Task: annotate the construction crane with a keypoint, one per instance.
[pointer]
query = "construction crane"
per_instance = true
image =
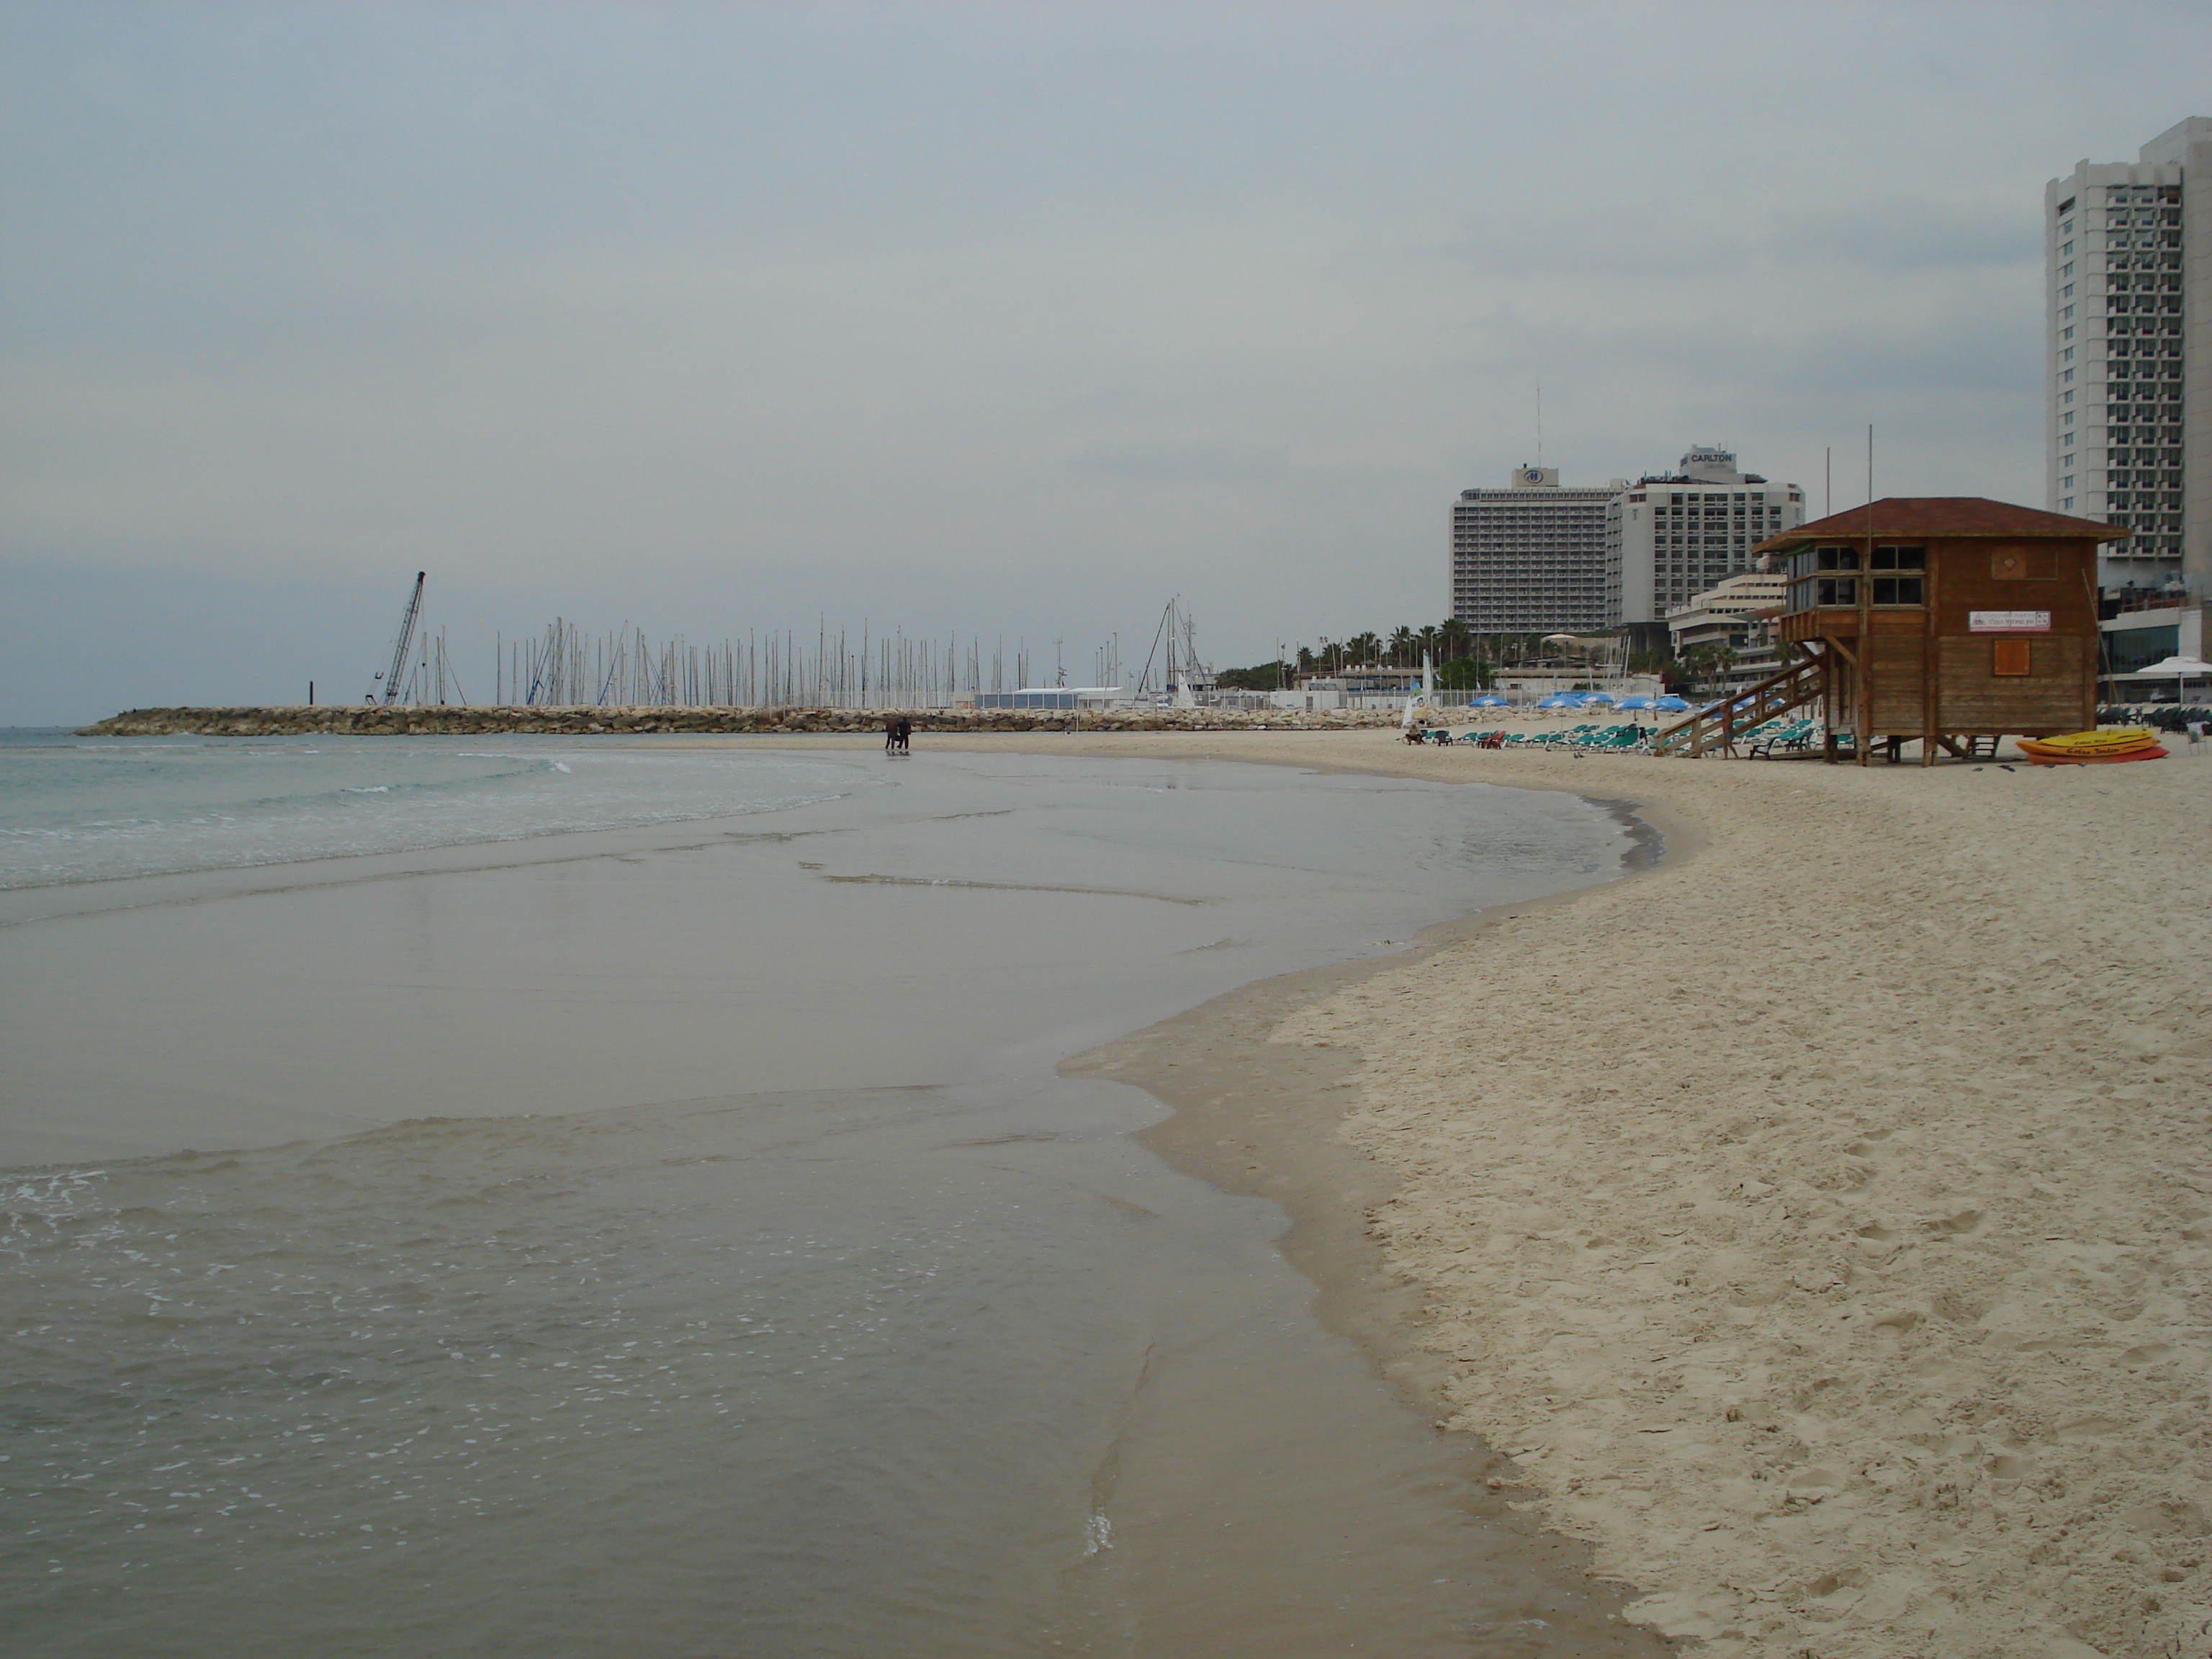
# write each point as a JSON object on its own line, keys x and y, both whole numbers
{"x": 391, "y": 676}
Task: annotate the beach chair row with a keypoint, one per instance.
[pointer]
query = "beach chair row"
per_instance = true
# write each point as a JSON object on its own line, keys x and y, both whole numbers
{"x": 1784, "y": 733}
{"x": 1590, "y": 737}
{"x": 1776, "y": 735}
{"x": 1788, "y": 731}
{"x": 1796, "y": 735}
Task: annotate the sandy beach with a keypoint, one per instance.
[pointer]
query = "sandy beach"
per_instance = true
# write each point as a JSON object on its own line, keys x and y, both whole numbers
{"x": 1820, "y": 1220}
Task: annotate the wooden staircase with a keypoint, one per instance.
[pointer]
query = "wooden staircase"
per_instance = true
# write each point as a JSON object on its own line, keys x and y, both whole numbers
{"x": 1718, "y": 726}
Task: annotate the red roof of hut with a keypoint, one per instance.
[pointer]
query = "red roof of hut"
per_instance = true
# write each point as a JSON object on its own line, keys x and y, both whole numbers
{"x": 1938, "y": 516}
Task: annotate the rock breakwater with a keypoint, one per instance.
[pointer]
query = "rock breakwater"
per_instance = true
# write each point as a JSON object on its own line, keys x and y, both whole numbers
{"x": 342, "y": 720}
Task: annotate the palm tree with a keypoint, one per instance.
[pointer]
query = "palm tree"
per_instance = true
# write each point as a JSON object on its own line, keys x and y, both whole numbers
{"x": 1706, "y": 663}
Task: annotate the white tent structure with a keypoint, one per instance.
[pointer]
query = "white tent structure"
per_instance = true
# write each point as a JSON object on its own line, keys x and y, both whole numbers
{"x": 2183, "y": 669}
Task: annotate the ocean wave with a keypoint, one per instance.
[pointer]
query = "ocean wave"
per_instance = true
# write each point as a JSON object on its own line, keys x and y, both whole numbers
{"x": 268, "y": 806}
{"x": 94, "y": 812}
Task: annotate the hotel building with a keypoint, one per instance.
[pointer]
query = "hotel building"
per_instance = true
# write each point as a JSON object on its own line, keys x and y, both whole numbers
{"x": 1530, "y": 558}
{"x": 1670, "y": 536}
{"x": 2128, "y": 408}
{"x": 1740, "y": 612}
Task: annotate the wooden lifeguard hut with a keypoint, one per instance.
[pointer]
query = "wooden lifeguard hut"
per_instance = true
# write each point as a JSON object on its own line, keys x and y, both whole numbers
{"x": 1939, "y": 619}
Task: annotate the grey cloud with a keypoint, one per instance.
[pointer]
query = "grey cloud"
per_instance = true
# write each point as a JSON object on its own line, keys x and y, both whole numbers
{"x": 1661, "y": 241}
{"x": 726, "y": 315}
{"x": 1913, "y": 235}
{"x": 1192, "y": 461}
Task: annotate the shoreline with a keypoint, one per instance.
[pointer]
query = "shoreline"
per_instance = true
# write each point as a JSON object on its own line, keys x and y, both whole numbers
{"x": 1897, "y": 1346}
{"x": 1253, "y": 1419}
{"x": 1817, "y": 1220}
{"x": 1270, "y": 1138}
{"x": 1254, "y": 1117}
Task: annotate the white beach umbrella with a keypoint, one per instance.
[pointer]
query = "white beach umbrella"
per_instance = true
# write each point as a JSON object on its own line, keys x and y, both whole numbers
{"x": 2184, "y": 669}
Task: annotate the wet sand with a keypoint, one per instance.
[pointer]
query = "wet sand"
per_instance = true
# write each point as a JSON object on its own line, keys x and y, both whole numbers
{"x": 1821, "y": 1222}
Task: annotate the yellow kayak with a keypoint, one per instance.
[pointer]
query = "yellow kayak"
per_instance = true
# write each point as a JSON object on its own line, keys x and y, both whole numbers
{"x": 2042, "y": 756}
{"x": 2098, "y": 743}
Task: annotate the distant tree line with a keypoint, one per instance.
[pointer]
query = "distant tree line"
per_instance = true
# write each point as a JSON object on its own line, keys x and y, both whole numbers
{"x": 1464, "y": 660}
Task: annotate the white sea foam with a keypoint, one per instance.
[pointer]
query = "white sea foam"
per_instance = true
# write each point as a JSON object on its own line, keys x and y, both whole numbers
{"x": 88, "y": 811}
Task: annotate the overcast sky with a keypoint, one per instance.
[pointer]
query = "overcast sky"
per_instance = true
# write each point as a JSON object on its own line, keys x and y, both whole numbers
{"x": 1010, "y": 318}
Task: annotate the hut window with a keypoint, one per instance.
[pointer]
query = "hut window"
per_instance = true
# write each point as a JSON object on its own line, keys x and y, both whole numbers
{"x": 1838, "y": 558}
{"x": 1839, "y": 591}
{"x": 1897, "y": 590}
{"x": 2011, "y": 656}
{"x": 1899, "y": 558}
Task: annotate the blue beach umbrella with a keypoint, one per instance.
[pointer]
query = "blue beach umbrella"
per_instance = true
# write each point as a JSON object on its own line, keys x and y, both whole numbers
{"x": 1561, "y": 700}
{"x": 1671, "y": 703}
{"x": 1638, "y": 702}
{"x": 1597, "y": 696}
{"x": 1491, "y": 701}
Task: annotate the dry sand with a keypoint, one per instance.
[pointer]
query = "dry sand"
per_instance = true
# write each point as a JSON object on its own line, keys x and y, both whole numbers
{"x": 1822, "y": 1220}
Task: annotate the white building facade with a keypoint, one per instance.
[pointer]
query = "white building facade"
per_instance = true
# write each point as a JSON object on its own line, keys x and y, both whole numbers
{"x": 2128, "y": 406}
{"x": 1739, "y": 612}
{"x": 1530, "y": 558}
{"x": 1669, "y": 537}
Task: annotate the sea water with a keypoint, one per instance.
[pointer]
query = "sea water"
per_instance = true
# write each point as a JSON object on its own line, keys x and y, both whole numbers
{"x": 661, "y": 1229}
{"x": 90, "y": 809}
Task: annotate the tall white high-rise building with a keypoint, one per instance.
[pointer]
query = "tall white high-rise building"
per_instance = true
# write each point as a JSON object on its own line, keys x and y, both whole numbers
{"x": 2128, "y": 406}
{"x": 1530, "y": 558}
{"x": 1669, "y": 536}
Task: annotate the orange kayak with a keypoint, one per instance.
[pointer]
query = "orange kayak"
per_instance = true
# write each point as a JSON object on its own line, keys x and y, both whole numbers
{"x": 2043, "y": 755}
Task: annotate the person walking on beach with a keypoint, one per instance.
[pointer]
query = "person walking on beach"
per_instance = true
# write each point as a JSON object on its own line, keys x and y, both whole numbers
{"x": 905, "y": 735}
{"x": 890, "y": 733}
